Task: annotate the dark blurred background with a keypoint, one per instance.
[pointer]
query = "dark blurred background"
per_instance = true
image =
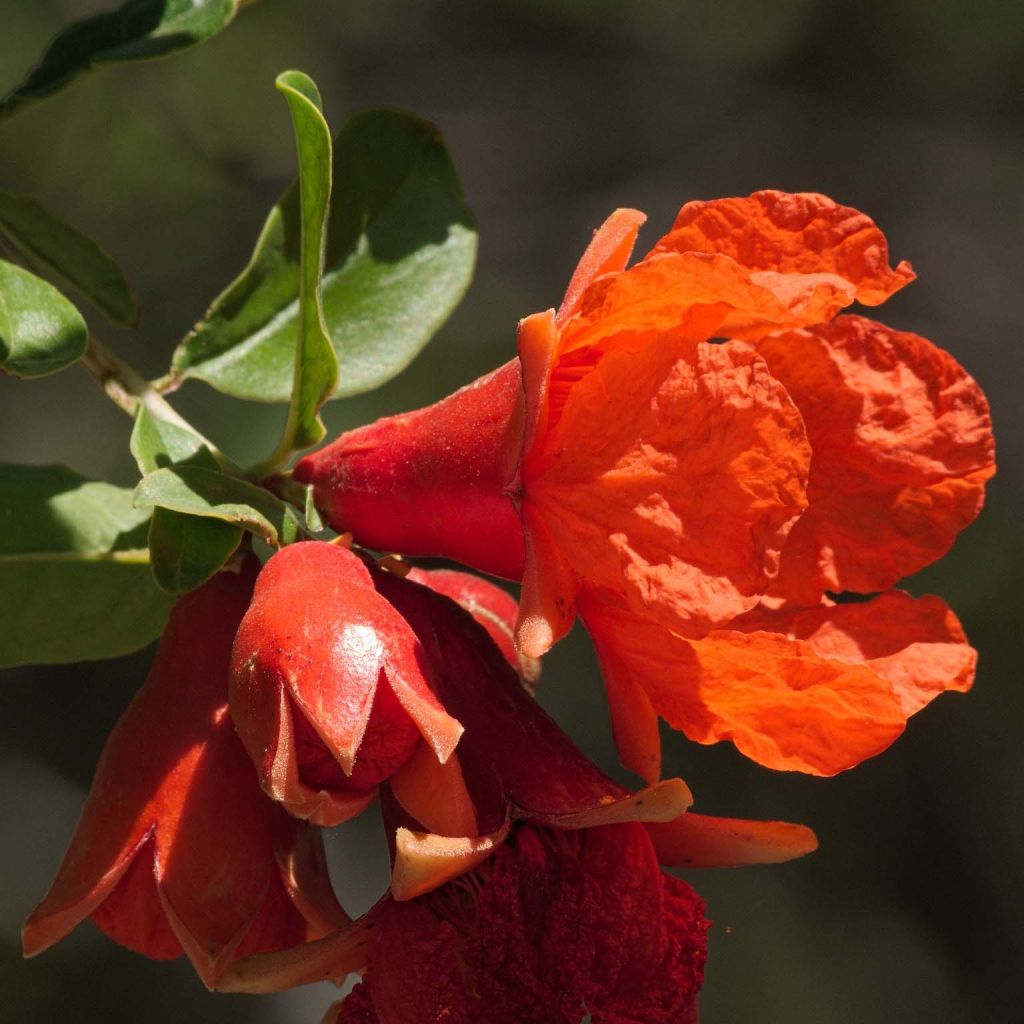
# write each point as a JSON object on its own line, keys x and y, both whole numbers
{"x": 557, "y": 111}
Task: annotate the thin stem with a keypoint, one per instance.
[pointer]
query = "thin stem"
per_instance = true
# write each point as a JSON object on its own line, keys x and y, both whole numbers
{"x": 128, "y": 390}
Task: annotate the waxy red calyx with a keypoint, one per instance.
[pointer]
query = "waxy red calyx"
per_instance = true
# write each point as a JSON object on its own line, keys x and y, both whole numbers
{"x": 328, "y": 686}
{"x": 178, "y": 850}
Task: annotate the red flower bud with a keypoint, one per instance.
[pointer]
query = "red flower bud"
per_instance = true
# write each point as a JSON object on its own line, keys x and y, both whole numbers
{"x": 328, "y": 690}
{"x": 177, "y": 849}
{"x": 434, "y": 481}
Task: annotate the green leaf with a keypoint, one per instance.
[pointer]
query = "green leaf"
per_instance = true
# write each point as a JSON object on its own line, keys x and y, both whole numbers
{"x": 54, "y": 248}
{"x": 157, "y": 443}
{"x": 315, "y": 365}
{"x": 184, "y": 550}
{"x": 137, "y": 30}
{"x": 40, "y": 331}
{"x": 213, "y": 495}
{"x": 75, "y": 583}
{"x": 400, "y": 251}
{"x": 314, "y": 522}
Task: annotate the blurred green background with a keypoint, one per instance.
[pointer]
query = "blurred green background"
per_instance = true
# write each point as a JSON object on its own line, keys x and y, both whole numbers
{"x": 557, "y": 111}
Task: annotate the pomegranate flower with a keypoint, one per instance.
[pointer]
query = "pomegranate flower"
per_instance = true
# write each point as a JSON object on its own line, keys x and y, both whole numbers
{"x": 328, "y": 691}
{"x": 555, "y": 926}
{"x": 177, "y": 849}
{"x": 663, "y": 487}
{"x": 514, "y": 773}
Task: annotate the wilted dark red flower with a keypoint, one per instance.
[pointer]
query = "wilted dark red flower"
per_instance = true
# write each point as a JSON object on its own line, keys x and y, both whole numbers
{"x": 178, "y": 850}
{"x": 665, "y": 486}
{"x": 555, "y": 926}
{"x": 328, "y": 691}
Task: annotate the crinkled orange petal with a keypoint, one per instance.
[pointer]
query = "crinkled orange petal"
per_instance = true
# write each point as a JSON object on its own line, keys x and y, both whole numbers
{"x": 609, "y": 251}
{"x": 812, "y": 691}
{"x": 915, "y": 643}
{"x": 671, "y": 481}
{"x": 699, "y": 841}
{"x": 902, "y": 443}
{"x": 693, "y": 296}
{"x": 792, "y": 233}
{"x": 174, "y": 777}
{"x": 781, "y": 705}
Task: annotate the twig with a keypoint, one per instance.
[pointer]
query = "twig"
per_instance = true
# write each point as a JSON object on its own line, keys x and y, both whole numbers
{"x": 128, "y": 390}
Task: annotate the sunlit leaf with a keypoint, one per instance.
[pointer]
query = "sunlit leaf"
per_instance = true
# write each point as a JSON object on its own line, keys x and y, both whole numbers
{"x": 40, "y": 331}
{"x": 205, "y": 492}
{"x": 315, "y": 364}
{"x": 137, "y": 30}
{"x": 54, "y": 248}
{"x": 74, "y": 572}
{"x": 400, "y": 251}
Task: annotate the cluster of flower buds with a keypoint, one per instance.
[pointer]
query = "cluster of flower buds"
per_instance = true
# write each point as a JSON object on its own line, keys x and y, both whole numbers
{"x": 697, "y": 455}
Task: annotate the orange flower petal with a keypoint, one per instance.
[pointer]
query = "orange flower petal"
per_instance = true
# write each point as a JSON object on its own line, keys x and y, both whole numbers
{"x": 609, "y": 251}
{"x": 694, "y": 296}
{"x": 813, "y": 691}
{"x": 792, "y": 233}
{"x": 902, "y": 444}
{"x": 670, "y": 481}
{"x": 916, "y": 644}
{"x": 699, "y": 841}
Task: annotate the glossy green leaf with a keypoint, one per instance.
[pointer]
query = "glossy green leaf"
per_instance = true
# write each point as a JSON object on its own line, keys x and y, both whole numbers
{"x": 40, "y": 331}
{"x": 137, "y": 30}
{"x": 184, "y": 550}
{"x": 400, "y": 251}
{"x": 315, "y": 373}
{"x": 213, "y": 495}
{"x": 75, "y": 583}
{"x": 56, "y": 249}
